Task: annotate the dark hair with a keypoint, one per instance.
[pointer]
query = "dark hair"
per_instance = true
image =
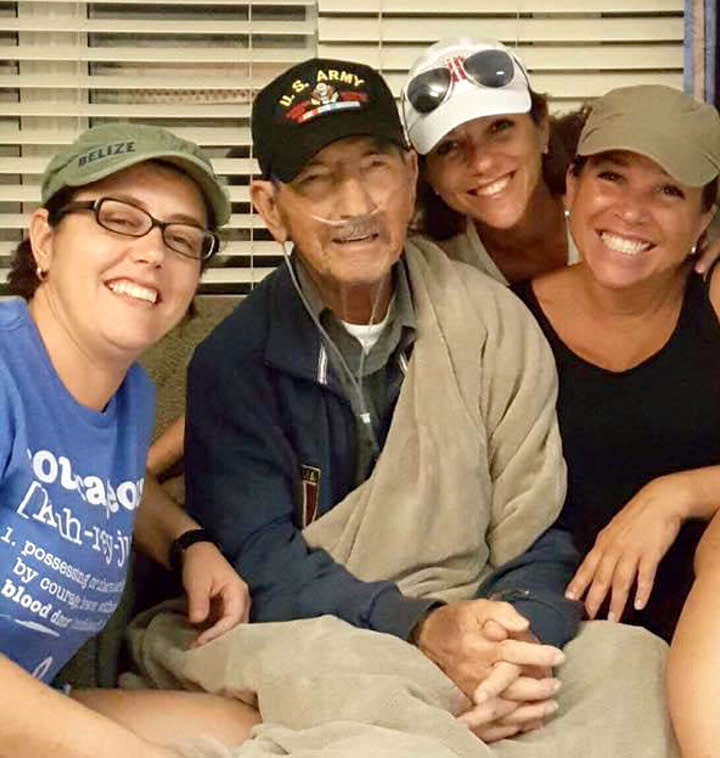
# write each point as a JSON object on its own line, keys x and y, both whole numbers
{"x": 709, "y": 195}
{"x": 436, "y": 219}
{"x": 22, "y": 277}
{"x": 709, "y": 190}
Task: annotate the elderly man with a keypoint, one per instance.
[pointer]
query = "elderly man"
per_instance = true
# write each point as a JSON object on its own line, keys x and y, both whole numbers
{"x": 371, "y": 434}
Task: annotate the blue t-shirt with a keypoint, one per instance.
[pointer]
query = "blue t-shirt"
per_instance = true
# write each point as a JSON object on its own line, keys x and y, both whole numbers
{"x": 70, "y": 483}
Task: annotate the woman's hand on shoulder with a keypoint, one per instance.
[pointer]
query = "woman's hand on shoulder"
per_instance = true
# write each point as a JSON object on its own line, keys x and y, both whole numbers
{"x": 218, "y": 599}
{"x": 631, "y": 547}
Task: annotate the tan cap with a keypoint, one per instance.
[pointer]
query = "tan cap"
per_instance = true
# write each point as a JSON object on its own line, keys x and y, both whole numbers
{"x": 664, "y": 124}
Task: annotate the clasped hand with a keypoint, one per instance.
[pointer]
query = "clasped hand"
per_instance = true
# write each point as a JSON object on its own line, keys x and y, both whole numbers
{"x": 488, "y": 651}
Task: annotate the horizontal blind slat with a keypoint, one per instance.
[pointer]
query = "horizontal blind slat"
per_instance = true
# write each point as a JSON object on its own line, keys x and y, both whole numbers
{"x": 250, "y": 276}
{"x": 231, "y": 275}
{"x": 116, "y": 26}
{"x": 194, "y": 3}
{"x": 203, "y": 136}
{"x": 33, "y": 165}
{"x": 237, "y": 221}
{"x": 489, "y": 7}
{"x": 564, "y": 57}
{"x": 30, "y": 193}
{"x": 153, "y": 54}
{"x": 163, "y": 110}
{"x": 419, "y": 30}
{"x": 248, "y": 248}
{"x": 170, "y": 82}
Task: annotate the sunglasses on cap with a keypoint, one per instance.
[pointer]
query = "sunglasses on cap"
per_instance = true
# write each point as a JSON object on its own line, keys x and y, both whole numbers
{"x": 487, "y": 68}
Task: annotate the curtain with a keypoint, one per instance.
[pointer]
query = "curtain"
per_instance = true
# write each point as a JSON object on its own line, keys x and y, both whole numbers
{"x": 702, "y": 76}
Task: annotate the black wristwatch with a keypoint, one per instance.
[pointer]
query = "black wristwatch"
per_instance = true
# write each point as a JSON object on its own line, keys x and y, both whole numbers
{"x": 182, "y": 543}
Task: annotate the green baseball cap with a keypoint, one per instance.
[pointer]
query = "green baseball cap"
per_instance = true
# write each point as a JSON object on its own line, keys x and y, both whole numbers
{"x": 107, "y": 149}
{"x": 664, "y": 124}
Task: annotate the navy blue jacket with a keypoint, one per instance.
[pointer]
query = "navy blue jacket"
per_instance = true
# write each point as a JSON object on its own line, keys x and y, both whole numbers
{"x": 265, "y": 413}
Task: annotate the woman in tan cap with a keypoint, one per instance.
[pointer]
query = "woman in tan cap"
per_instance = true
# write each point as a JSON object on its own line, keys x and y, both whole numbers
{"x": 636, "y": 337}
{"x": 110, "y": 264}
{"x": 492, "y": 161}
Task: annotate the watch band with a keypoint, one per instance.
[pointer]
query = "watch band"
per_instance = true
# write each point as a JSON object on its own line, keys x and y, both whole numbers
{"x": 182, "y": 543}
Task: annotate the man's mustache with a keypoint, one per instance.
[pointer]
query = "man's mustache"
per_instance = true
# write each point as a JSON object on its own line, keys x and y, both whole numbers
{"x": 356, "y": 227}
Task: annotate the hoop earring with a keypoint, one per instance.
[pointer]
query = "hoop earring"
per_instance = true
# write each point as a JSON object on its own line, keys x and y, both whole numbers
{"x": 41, "y": 273}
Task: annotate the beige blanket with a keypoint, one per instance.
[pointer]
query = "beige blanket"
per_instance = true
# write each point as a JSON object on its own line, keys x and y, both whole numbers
{"x": 470, "y": 474}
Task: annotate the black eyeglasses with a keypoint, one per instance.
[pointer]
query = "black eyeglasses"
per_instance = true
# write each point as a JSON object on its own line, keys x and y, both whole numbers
{"x": 124, "y": 218}
{"x": 488, "y": 68}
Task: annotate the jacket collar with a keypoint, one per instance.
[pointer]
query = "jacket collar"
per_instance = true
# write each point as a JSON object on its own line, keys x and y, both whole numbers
{"x": 294, "y": 343}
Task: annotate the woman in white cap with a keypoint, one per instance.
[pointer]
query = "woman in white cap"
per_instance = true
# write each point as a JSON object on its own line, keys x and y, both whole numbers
{"x": 111, "y": 262}
{"x": 636, "y": 337}
{"x": 492, "y": 162}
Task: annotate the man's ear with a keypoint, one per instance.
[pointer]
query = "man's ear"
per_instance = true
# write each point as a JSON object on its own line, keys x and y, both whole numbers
{"x": 411, "y": 159}
{"x": 41, "y": 236}
{"x": 264, "y": 198}
{"x": 411, "y": 162}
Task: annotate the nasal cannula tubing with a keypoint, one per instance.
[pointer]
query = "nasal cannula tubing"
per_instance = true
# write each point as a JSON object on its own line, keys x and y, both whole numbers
{"x": 351, "y": 225}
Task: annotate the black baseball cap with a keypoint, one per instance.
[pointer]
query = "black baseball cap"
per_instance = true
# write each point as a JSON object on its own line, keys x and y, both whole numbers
{"x": 317, "y": 102}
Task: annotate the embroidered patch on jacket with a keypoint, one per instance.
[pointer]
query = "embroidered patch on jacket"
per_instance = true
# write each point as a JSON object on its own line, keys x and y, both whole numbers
{"x": 310, "y": 482}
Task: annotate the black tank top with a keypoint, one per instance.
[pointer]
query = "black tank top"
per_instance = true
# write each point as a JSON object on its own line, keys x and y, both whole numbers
{"x": 622, "y": 429}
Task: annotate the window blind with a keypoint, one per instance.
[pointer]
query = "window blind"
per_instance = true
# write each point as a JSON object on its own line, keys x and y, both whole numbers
{"x": 194, "y": 66}
{"x": 189, "y": 65}
{"x": 574, "y": 49}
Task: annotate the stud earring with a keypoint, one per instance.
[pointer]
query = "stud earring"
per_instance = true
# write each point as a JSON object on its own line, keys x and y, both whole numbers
{"x": 41, "y": 273}
{"x": 567, "y": 212}
{"x": 693, "y": 249}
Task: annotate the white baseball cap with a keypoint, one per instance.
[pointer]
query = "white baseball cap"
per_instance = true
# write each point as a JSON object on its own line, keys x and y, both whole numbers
{"x": 458, "y": 80}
